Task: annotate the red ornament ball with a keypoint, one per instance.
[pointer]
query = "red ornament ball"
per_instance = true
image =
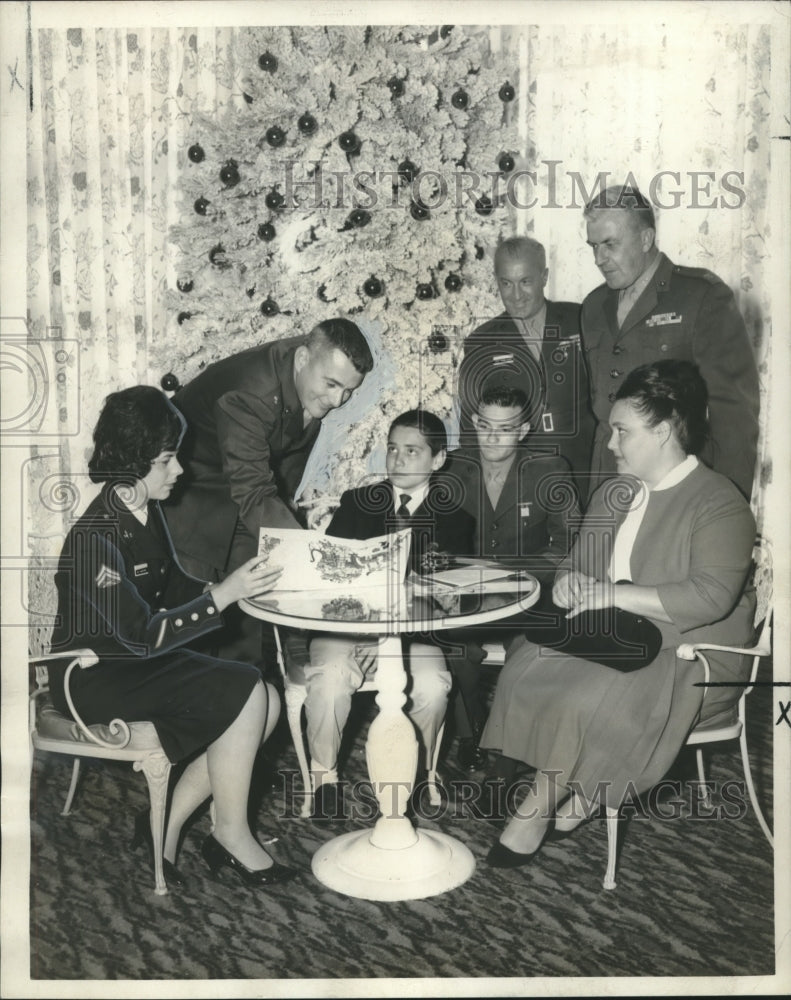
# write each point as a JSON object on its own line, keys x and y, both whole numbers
{"x": 307, "y": 124}
{"x": 274, "y": 201}
{"x": 418, "y": 211}
{"x": 275, "y": 136}
{"x": 348, "y": 142}
{"x": 229, "y": 174}
{"x": 506, "y": 163}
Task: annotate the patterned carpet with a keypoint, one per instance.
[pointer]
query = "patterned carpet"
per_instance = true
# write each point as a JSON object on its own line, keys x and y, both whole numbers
{"x": 694, "y": 895}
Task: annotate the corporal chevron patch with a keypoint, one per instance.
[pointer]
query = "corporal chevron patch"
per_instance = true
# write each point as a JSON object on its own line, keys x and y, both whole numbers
{"x": 107, "y": 577}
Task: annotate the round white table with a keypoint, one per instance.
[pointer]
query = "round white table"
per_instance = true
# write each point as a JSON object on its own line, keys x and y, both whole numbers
{"x": 394, "y": 860}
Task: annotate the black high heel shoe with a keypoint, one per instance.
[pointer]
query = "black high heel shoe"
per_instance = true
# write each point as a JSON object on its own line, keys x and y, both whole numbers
{"x": 215, "y": 856}
{"x": 142, "y": 835}
{"x": 500, "y": 856}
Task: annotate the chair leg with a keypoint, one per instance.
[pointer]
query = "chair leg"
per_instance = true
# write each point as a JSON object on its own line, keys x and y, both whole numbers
{"x": 434, "y": 796}
{"x": 156, "y": 768}
{"x": 612, "y": 847}
{"x": 702, "y": 778}
{"x": 295, "y": 699}
{"x": 75, "y": 773}
{"x": 748, "y": 777}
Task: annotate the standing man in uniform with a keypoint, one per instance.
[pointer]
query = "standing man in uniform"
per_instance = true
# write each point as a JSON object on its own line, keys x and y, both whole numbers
{"x": 650, "y": 309}
{"x": 252, "y": 420}
{"x": 533, "y": 346}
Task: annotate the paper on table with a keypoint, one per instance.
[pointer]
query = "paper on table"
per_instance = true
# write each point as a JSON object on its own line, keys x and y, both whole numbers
{"x": 473, "y": 576}
{"x": 312, "y": 560}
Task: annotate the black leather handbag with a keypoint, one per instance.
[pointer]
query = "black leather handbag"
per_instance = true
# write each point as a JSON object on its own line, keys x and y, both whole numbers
{"x": 613, "y": 637}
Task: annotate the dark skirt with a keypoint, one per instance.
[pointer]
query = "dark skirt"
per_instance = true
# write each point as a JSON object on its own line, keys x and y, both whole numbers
{"x": 190, "y": 698}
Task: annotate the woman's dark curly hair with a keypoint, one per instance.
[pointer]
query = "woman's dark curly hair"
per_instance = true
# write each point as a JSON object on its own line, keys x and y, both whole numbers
{"x": 135, "y": 426}
{"x": 671, "y": 390}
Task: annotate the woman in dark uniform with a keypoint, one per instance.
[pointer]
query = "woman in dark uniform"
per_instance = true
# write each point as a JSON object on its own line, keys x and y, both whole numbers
{"x": 122, "y": 594}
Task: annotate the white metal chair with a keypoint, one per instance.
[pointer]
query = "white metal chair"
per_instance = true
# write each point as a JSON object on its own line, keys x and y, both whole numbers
{"x": 295, "y": 695}
{"x": 734, "y": 727}
{"x": 136, "y": 742}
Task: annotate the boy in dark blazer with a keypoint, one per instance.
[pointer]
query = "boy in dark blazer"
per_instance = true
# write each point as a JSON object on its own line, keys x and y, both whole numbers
{"x": 526, "y": 509}
{"x": 412, "y": 496}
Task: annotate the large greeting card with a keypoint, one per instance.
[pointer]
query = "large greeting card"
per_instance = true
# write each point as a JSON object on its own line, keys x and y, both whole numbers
{"x": 315, "y": 561}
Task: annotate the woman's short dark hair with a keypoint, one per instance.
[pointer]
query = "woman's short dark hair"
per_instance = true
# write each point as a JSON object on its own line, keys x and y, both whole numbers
{"x": 429, "y": 425}
{"x": 675, "y": 391}
{"x": 135, "y": 426}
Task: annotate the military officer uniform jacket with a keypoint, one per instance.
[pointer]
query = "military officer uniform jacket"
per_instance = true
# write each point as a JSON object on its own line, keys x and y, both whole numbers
{"x": 537, "y": 512}
{"x": 122, "y": 594}
{"x": 685, "y": 313}
{"x": 244, "y": 454}
{"x": 561, "y": 419}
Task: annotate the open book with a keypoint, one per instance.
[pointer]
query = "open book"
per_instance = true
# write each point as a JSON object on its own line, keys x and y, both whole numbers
{"x": 312, "y": 560}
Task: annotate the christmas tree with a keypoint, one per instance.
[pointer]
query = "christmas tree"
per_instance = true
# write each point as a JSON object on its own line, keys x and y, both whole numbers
{"x": 364, "y": 174}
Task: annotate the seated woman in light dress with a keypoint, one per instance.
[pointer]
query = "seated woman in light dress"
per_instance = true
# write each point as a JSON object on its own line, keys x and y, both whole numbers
{"x": 678, "y": 538}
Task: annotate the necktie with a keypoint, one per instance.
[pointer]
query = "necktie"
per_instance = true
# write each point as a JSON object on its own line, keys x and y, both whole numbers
{"x": 402, "y": 513}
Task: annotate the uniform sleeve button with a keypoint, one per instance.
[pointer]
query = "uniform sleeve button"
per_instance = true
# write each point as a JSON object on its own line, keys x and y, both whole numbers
{"x": 194, "y": 616}
{"x": 210, "y": 610}
{"x": 178, "y": 623}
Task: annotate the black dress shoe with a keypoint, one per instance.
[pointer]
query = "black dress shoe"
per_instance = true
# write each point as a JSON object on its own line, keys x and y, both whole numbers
{"x": 143, "y": 835}
{"x": 554, "y": 836}
{"x": 500, "y": 856}
{"x": 469, "y": 755}
{"x": 215, "y": 856}
{"x": 328, "y": 803}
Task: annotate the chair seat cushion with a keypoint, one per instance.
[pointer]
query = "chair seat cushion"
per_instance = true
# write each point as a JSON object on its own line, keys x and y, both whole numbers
{"x": 52, "y": 725}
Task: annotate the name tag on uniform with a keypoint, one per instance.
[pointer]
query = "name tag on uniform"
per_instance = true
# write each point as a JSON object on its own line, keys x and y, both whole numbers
{"x": 664, "y": 319}
{"x": 524, "y": 509}
{"x": 141, "y": 569}
{"x": 502, "y": 359}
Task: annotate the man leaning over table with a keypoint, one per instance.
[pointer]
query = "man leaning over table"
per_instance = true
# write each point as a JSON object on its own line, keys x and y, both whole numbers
{"x": 252, "y": 421}
{"x": 650, "y": 309}
{"x": 413, "y": 496}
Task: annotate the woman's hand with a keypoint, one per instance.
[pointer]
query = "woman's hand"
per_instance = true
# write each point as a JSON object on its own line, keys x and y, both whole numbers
{"x": 251, "y": 578}
{"x": 593, "y": 596}
{"x": 568, "y": 587}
